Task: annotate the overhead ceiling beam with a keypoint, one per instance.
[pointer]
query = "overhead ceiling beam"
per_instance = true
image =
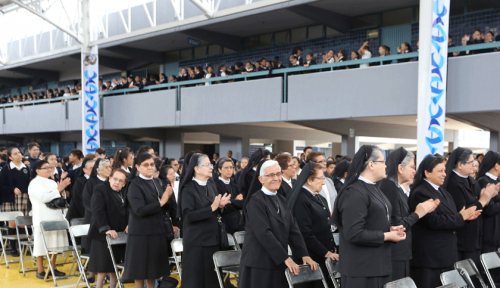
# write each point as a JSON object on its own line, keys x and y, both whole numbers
{"x": 10, "y": 82}
{"x": 41, "y": 15}
{"x": 336, "y": 21}
{"x": 39, "y": 73}
{"x": 135, "y": 53}
{"x": 106, "y": 61}
{"x": 229, "y": 41}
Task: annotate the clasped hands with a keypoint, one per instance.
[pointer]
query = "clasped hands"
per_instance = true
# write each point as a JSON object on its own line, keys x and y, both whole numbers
{"x": 295, "y": 269}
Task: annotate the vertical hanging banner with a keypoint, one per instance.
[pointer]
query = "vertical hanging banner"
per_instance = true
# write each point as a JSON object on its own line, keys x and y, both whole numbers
{"x": 434, "y": 73}
{"x": 90, "y": 102}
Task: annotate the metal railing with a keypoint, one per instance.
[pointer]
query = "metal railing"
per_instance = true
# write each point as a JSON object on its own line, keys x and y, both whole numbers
{"x": 283, "y": 72}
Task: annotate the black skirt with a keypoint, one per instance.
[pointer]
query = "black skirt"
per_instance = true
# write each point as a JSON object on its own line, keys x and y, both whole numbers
{"x": 198, "y": 268}
{"x": 400, "y": 270}
{"x": 372, "y": 282}
{"x": 146, "y": 257}
{"x": 100, "y": 258}
{"x": 427, "y": 277}
{"x": 260, "y": 278}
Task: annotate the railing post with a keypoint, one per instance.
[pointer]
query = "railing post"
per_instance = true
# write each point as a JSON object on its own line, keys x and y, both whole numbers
{"x": 3, "y": 115}
{"x": 285, "y": 88}
{"x": 67, "y": 109}
{"x": 101, "y": 108}
{"x": 178, "y": 98}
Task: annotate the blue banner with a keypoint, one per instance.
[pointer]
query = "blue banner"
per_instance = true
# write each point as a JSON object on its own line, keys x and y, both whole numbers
{"x": 91, "y": 139}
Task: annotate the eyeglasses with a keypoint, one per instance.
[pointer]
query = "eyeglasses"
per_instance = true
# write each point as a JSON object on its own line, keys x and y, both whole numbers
{"x": 320, "y": 161}
{"x": 209, "y": 165}
{"x": 46, "y": 168}
{"x": 228, "y": 167}
{"x": 274, "y": 175}
{"x": 320, "y": 178}
{"x": 470, "y": 162}
{"x": 381, "y": 161}
{"x": 145, "y": 165}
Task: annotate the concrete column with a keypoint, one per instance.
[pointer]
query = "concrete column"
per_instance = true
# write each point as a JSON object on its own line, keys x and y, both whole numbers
{"x": 494, "y": 141}
{"x": 172, "y": 145}
{"x": 283, "y": 146}
{"x": 336, "y": 149}
{"x": 348, "y": 146}
{"x": 79, "y": 146}
{"x": 239, "y": 145}
{"x": 452, "y": 145}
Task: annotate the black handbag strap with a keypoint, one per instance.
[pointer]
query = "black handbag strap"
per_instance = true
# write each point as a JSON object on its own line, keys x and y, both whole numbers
{"x": 158, "y": 193}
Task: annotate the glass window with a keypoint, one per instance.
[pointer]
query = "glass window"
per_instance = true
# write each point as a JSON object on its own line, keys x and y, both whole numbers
{"x": 251, "y": 42}
{"x": 281, "y": 38}
{"x": 315, "y": 31}
{"x": 299, "y": 34}
{"x": 187, "y": 54}
{"x": 265, "y": 40}
{"x": 397, "y": 17}
{"x": 214, "y": 49}
{"x": 200, "y": 52}
{"x": 331, "y": 32}
{"x": 365, "y": 21}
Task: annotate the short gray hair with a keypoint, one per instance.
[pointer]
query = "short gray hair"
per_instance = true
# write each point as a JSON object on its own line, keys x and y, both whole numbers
{"x": 201, "y": 158}
{"x": 266, "y": 165}
{"x": 408, "y": 158}
{"x": 101, "y": 164}
{"x": 376, "y": 152}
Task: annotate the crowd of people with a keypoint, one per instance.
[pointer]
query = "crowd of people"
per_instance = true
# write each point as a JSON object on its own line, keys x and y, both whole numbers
{"x": 296, "y": 59}
{"x": 393, "y": 220}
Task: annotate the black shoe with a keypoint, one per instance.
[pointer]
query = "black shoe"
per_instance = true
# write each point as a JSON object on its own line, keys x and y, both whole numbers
{"x": 14, "y": 253}
{"x": 59, "y": 273}
{"x": 91, "y": 279}
{"x": 40, "y": 275}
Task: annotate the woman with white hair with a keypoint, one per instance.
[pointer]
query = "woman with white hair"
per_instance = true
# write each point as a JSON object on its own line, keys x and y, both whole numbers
{"x": 269, "y": 228}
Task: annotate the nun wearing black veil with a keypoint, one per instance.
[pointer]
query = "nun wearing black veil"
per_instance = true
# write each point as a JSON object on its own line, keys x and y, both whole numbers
{"x": 488, "y": 174}
{"x": 434, "y": 248}
{"x": 466, "y": 192}
{"x": 249, "y": 172}
{"x": 340, "y": 174}
{"x": 269, "y": 228}
{"x": 401, "y": 169}
{"x": 312, "y": 214}
{"x": 362, "y": 214}
{"x": 201, "y": 207}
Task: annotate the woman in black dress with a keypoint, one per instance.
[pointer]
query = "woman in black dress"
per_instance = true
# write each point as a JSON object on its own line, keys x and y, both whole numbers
{"x": 225, "y": 185}
{"x": 311, "y": 211}
{"x": 109, "y": 216}
{"x": 14, "y": 181}
{"x": 340, "y": 174}
{"x": 400, "y": 170}
{"x": 466, "y": 192}
{"x": 269, "y": 228}
{"x": 363, "y": 215}
{"x": 434, "y": 248}
{"x": 201, "y": 207}
{"x": 488, "y": 173}
{"x": 76, "y": 208}
{"x": 248, "y": 173}
{"x": 146, "y": 256}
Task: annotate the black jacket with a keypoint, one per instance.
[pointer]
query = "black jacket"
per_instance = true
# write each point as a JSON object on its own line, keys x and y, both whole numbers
{"x": 200, "y": 222}
{"x": 88, "y": 191}
{"x": 313, "y": 220}
{"x": 268, "y": 234}
{"x": 11, "y": 179}
{"x": 145, "y": 211}
{"x": 364, "y": 214}
{"x": 108, "y": 212}
{"x": 285, "y": 188}
{"x": 465, "y": 193}
{"x": 434, "y": 238}
{"x": 338, "y": 184}
{"x": 231, "y": 213}
{"x": 401, "y": 215}
{"x": 491, "y": 216}
{"x": 76, "y": 208}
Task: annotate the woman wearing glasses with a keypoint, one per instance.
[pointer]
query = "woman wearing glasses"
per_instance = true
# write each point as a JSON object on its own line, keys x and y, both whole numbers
{"x": 311, "y": 211}
{"x": 466, "y": 192}
{"x": 201, "y": 206}
{"x": 363, "y": 215}
{"x": 146, "y": 256}
{"x": 225, "y": 185}
{"x": 42, "y": 190}
{"x": 400, "y": 170}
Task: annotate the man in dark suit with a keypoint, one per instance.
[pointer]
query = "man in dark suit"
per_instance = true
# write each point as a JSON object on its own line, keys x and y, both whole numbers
{"x": 288, "y": 173}
{"x": 307, "y": 150}
{"x": 230, "y": 156}
{"x": 163, "y": 79}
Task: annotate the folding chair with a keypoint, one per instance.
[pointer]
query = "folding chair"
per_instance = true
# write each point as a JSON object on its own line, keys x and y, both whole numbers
{"x": 458, "y": 277}
{"x": 232, "y": 242}
{"x": 305, "y": 275}
{"x": 177, "y": 247}
{"x": 25, "y": 242}
{"x": 451, "y": 285}
{"x": 51, "y": 226}
{"x": 8, "y": 216}
{"x": 490, "y": 261}
{"x": 334, "y": 271}
{"x": 469, "y": 266}
{"x": 121, "y": 239}
{"x": 77, "y": 231}
{"x": 401, "y": 283}
{"x": 229, "y": 261}
{"x": 239, "y": 237}
{"x": 77, "y": 221}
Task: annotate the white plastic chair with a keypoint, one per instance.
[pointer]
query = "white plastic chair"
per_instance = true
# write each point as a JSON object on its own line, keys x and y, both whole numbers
{"x": 229, "y": 261}
{"x": 177, "y": 247}
{"x": 121, "y": 239}
{"x": 7, "y": 216}
{"x": 78, "y": 231}
{"x": 490, "y": 261}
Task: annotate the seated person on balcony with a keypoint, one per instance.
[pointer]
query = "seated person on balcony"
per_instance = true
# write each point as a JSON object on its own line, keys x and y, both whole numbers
{"x": 297, "y": 51}
{"x": 115, "y": 86}
{"x": 210, "y": 72}
{"x": 183, "y": 75}
{"x": 309, "y": 60}
{"x": 451, "y": 44}
{"x": 152, "y": 80}
{"x": 263, "y": 65}
{"x": 365, "y": 53}
{"x": 383, "y": 51}
{"x": 125, "y": 84}
{"x": 238, "y": 67}
{"x": 222, "y": 71}
{"x": 405, "y": 48}
{"x": 277, "y": 63}
{"x": 172, "y": 79}
{"x": 163, "y": 79}
{"x": 328, "y": 57}
{"x": 191, "y": 73}
{"x": 198, "y": 73}
{"x": 248, "y": 68}
{"x": 102, "y": 87}
{"x": 134, "y": 82}
{"x": 354, "y": 56}
{"x": 294, "y": 61}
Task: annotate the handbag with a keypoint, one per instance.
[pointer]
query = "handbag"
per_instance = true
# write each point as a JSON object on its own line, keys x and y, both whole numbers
{"x": 223, "y": 240}
{"x": 167, "y": 220}
{"x": 57, "y": 203}
{"x": 168, "y": 282}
